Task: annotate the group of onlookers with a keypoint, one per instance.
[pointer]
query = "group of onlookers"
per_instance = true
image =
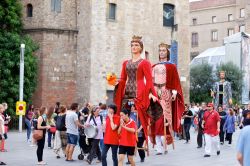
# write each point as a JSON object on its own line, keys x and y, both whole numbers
{"x": 215, "y": 126}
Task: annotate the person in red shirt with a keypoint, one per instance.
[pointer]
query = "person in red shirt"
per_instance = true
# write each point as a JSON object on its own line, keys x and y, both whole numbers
{"x": 211, "y": 125}
{"x": 111, "y": 138}
{"x": 127, "y": 142}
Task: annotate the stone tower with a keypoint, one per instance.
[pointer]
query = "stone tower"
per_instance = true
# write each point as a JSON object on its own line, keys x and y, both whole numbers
{"x": 53, "y": 25}
{"x": 85, "y": 39}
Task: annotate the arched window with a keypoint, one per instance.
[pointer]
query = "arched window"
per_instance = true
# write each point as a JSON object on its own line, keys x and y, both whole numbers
{"x": 168, "y": 15}
{"x": 29, "y": 10}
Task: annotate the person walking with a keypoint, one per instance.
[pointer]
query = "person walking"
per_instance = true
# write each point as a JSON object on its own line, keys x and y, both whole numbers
{"x": 223, "y": 116}
{"x": 200, "y": 129}
{"x": 28, "y": 120}
{"x": 229, "y": 126}
{"x": 187, "y": 116}
{"x": 96, "y": 120}
{"x": 211, "y": 125}
{"x": 1, "y": 128}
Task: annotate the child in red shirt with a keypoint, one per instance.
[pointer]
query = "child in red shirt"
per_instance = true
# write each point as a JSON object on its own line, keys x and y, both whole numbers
{"x": 111, "y": 138}
{"x": 127, "y": 140}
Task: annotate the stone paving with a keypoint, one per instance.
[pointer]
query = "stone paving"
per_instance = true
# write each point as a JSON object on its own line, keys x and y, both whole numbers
{"x": 21, "y": 154}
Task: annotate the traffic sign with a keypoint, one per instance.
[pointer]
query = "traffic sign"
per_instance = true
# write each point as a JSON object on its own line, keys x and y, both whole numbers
{"x": 20, "y": 107}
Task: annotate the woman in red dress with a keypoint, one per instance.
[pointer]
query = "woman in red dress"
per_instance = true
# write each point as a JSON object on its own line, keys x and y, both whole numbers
{"x": 135, "y": 85}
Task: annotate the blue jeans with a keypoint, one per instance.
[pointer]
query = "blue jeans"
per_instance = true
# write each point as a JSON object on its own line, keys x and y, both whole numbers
{"x": 114, "y": 149}
{"x": 50, "y": 137}
{"x": 186, "y": 129}
{"x": 101, "y": 144}
{"x": 28, "y": 124}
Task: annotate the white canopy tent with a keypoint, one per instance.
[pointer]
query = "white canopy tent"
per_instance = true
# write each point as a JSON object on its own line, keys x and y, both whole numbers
{"x": 213, "y": 56}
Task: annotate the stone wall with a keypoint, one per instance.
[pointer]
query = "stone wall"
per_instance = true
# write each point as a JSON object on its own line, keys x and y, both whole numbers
{"x": 80, "y": 45}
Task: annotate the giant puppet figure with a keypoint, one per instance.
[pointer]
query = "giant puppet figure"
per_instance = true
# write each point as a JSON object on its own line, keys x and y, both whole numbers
{"x": 222, "y": 92}
{"x": 168, "y": 88}
{"x": 135, "y": 85}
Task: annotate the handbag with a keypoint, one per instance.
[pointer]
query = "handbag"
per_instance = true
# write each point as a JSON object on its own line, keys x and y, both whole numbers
{"x": 37, "y": 134}
{"x": 52, "y": 129}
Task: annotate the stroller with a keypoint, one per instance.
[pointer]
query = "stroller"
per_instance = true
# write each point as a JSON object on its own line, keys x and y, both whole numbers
{"x": 84, "y": 143}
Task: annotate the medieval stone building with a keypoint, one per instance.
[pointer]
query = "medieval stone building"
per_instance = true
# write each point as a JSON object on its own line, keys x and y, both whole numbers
{"x": 82, "y": 40}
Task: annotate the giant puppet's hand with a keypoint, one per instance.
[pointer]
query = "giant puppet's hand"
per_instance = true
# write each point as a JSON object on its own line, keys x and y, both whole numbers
{"x": 152, "y": 97}
{"x": 174, "y": 93}
{"x": 230, "y": 101}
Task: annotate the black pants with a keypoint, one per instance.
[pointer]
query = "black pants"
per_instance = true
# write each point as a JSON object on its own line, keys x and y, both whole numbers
{"x": 40, "y": 147}
{"x": 229, "y": 137}
{"x": 105, "y": 149}
{"x": 200, "y": 136}
{"x": 139, "y": 145}
{"x": 222, "y": 136}
{"x": 186, "y": 129}
{"x": 95, "y": 149}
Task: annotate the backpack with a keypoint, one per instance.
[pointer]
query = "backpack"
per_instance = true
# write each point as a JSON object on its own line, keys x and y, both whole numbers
{"x": 60, "y": 123}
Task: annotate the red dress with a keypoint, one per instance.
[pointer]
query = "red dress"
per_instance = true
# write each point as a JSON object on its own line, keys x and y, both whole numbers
{"x": 144, "y": 85}
{"x": 173, "y": 83}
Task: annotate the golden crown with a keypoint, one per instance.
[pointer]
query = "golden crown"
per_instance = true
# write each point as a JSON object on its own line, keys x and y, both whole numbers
{"x": 164, "y": 45}
{"x": 136, "y": 38}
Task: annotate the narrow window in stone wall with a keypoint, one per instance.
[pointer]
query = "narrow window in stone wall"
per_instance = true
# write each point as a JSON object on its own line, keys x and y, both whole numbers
{"x": 230, "y": 31}
{"x": 214, "y": 35}
{"x": 56, "y": 6}
{"x": 29, "y": 10}
{"x": 194, "y": 21}
{"x": 168, "y": 15}
{"x": 195, "y": 40}
{"x": 242, "y": 13}
{"x": 112, "y": 11}
{"x": 230, "y": 17}
{"x": 242, "y": 28}
{"x": 214, "y": 20}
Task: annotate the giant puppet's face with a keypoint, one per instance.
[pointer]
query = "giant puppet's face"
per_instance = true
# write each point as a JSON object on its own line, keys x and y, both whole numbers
{"x": 222, "y": 75}
{"x": 163, "y": 52}
{"x": 136, "y": 48}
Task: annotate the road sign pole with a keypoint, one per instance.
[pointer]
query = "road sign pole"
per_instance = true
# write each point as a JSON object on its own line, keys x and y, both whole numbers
{"x": 21, "y": 83}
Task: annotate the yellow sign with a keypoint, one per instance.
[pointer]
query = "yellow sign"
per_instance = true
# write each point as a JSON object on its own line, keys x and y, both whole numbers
{"x": 20, "y": 107}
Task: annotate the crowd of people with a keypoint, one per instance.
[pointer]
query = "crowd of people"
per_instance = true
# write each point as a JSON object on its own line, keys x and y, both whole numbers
{"x": 65, "y": 130}
{"x": 215, "y": 126}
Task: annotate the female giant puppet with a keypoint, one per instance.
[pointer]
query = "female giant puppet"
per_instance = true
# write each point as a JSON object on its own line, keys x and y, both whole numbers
{"x": 136, "y": 86}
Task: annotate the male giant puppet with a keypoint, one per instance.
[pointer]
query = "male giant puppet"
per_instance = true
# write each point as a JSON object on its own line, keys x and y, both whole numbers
{"x": 168, "y": 88}
{"x": 222, "y": 92}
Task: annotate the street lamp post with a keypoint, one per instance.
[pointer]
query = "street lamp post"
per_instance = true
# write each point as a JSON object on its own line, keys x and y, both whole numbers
{"x": 21, "y": 83}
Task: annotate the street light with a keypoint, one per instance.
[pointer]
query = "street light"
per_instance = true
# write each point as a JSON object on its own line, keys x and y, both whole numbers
{"x": 21, "y": 83}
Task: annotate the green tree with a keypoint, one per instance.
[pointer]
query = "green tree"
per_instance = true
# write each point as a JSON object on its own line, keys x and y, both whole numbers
{"x": 10, "y": 40}
{"x": 201, "y": 81}
{"x": 235, "y": 76}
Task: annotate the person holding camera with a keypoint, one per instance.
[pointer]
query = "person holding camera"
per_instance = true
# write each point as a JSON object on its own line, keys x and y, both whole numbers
{"x": 96, "y": 120}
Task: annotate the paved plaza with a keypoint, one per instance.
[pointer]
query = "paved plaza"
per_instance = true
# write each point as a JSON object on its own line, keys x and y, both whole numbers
{"x": 21, "y": 154}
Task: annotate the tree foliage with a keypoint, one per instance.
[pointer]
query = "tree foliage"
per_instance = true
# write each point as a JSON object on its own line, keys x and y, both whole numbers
{"x": 10, "y": 41}
{"x": 201, "y": 81}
